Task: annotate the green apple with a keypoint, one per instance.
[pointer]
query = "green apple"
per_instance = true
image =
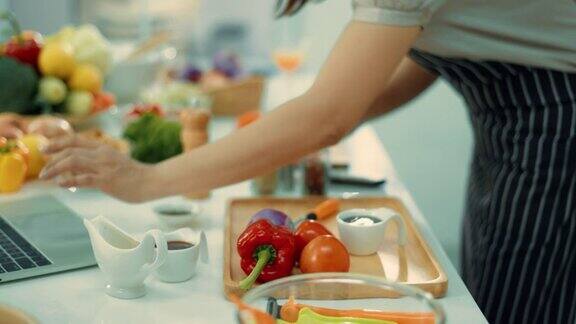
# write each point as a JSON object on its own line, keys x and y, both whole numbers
{"x": 79, "y": 103}
{"x": 52, "y": 90}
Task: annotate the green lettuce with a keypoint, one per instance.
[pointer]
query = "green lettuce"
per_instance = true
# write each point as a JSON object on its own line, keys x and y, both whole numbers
{"x": 153, "y": 138}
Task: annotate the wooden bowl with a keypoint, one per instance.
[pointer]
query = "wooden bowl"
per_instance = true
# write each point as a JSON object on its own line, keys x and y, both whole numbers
{"x": 238, "y": 97}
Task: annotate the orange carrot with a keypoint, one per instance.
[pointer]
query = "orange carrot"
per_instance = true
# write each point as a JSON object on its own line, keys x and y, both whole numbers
{"x": 289, "y": 313}
{"x": 256, "y": 315}
{"x": 247, "y": 118}
{"x": 327, "y": 208}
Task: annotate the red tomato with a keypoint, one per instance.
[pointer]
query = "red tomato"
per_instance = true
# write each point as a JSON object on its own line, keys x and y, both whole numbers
{"x": 306, "y": 232}
{"x": 102, "y": 101}
{"x": 325, "y": 254}
{"x": 141, "y": 109}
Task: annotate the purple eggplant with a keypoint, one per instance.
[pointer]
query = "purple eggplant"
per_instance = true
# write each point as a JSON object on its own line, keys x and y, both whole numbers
{"x": 227, "y": 64}
{"x": 192, "y": 74}
{"x": 273, "y": 216}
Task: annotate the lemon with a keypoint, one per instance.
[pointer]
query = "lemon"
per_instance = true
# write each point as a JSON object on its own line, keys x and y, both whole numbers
{"x": 86, "y": 77}
{"x": 57, "y": 59}
{"x": 36, "y": 159}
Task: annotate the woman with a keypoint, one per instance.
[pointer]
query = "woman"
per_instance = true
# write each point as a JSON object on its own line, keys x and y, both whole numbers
{"x": 514, "y": 63}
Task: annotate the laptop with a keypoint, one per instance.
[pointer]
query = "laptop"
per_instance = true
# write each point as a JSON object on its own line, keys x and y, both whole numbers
{"x": 40, "y": 236}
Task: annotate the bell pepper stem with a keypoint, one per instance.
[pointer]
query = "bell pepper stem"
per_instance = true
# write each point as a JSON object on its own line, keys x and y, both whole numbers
{"x": 263, "y": 258}
{"x": 14, "y": 24}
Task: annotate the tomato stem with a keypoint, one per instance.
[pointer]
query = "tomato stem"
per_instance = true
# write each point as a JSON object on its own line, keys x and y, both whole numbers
{"x": 264, "y": 257}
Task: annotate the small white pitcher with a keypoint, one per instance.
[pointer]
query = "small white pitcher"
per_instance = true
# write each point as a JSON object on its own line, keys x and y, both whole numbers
{"x": 181, "y": 264}
{"x": 125, "y": 261}
{"x": 365, "y": 240}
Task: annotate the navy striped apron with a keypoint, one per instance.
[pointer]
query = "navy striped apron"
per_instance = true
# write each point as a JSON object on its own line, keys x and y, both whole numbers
{"x": 519, "y": 227}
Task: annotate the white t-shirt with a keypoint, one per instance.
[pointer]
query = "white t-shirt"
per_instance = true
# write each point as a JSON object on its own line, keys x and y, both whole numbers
{"x": 538, "y": 33}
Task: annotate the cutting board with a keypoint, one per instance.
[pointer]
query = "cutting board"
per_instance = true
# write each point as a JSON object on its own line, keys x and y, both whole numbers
{"x": 414, "y": 264}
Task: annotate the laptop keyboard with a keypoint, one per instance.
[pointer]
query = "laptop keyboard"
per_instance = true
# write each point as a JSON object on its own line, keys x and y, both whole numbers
{"x": 16, "y": 253}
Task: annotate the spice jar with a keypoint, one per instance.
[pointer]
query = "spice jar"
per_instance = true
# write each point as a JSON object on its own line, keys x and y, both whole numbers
{"x": 265, "y": 184}
{"x": 194, "y": 134}
{"x": 286, "y": 178}
{"x": 315, "y": 173}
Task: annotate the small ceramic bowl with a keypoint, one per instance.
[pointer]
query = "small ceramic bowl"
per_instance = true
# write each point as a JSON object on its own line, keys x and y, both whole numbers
{"x": 177, "y": 215}
{"x": 362, "y": 230}
{"x": 181, "y": 263}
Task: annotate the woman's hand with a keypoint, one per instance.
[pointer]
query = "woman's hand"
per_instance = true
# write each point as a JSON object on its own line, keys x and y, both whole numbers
{"x": 11, "y": 125}
{"x": 78, "y": 162}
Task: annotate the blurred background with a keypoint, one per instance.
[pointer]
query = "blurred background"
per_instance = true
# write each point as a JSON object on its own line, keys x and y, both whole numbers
{"x": 429, "y": 140}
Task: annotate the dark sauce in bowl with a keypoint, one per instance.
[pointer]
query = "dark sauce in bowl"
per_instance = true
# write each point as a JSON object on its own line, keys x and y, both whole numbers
{"x": 173, "y": 211}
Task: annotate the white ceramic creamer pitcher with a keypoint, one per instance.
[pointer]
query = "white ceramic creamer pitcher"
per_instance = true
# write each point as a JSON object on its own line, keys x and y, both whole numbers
{"x": 125, "y": 261}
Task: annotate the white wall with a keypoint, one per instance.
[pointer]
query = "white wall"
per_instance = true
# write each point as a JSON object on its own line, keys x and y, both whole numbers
{"x": 46, "y": 16}
{"x": 322, "y": 23}
{"x": 256, "y": 14}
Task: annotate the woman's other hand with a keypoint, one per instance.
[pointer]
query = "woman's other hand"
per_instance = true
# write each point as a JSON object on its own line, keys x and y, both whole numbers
{"x": 11, "y": 125}
{"x": 10, "y": 131}
{"x": 78, "y": 162}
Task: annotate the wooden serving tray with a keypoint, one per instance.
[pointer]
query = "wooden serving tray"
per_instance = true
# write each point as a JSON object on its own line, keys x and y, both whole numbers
{"x": 414, "y": 265}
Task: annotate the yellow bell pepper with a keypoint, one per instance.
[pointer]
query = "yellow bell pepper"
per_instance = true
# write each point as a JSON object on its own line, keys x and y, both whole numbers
{"x": 13, "y": 166}
{"x": 36, "y": 159}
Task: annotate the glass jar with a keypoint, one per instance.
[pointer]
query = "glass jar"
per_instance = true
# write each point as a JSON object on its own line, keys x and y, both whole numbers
{"x": 265, "y": 184}
{"x": 315, "y": 173}
{"x": 286, "y": 179}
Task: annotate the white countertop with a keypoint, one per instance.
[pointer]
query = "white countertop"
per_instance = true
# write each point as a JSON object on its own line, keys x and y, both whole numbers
{"x": 78, "y": 296}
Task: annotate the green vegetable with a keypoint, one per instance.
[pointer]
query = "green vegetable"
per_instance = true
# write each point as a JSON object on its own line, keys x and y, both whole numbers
{"x": 19, "y": 84}
{"x": 153, "y": 138}
{"x": 308, "y": 316}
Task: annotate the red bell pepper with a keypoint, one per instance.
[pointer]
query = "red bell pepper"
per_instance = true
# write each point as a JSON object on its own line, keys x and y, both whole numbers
{"x": 24, "y": 47}
{"x": 267, "y": 252}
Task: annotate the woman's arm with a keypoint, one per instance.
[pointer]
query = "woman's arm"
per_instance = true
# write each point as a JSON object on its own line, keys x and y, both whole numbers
{"x": 356, "y": 72}
{"x": 409, "y": 80}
